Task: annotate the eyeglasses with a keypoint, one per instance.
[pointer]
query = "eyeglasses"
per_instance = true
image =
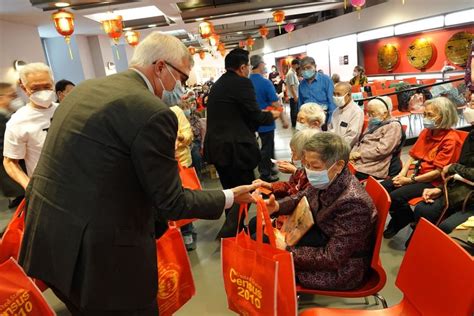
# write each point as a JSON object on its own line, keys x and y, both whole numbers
{"x": 184, "y": 77}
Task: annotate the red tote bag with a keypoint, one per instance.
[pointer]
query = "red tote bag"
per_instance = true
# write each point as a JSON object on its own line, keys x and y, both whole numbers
{"x": 259, "y": 279}
{"x": 18, "y": 294}
{"x": 175, "y": 278}
{"x": 189, "y": 180}
{"x": 11, "y": 240}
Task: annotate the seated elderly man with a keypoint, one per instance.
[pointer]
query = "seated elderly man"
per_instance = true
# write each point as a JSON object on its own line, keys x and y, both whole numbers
{"x": 311, "y": 115}
{"x": 377, "y": 153}
{"x": 437, "y": 146}
{"x": 348, "y": 118}
{"x": 335, "y": 253}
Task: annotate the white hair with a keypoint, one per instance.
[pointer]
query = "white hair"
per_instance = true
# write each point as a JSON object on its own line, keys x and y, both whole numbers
{"x": 313, "y": 113}
{"x": 300, "y": 138}
{"x": 34, "y": 68}
{"x": 379, "y": 104}
{"x": 158, "y": 46}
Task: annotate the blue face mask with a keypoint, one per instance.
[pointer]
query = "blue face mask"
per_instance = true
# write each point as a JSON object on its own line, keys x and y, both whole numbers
{"x": 318, "y": 179}
{"x": 374, "y": 122}
{"x": 308, "y": 73}
{"x": 427, "y": 123}
{"x": 187, "y": 112}
{"x": 173, "y": 97}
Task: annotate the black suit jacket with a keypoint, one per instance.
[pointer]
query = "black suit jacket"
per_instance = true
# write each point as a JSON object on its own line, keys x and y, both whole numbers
{"x": 233, "y": 116}
{"x": 107, "y": 161}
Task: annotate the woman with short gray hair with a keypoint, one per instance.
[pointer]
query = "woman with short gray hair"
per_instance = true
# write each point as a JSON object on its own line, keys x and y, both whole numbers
{"x": 378, "y": 151}
{"x": 335, "y": 253}
{"x": 311, "y": 115}
{"x": 437, "y": 146}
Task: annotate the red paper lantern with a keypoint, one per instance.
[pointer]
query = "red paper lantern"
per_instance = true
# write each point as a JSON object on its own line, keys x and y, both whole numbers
{"x": 221, "y": 47}
{"x": 278, "y": 18}
{"x": 358, "y": 4}
{"x": 132, "y": 38}
{"x": 289, "y": 27}
{"x": 192, "y": 50}
{"x": 250, "y": 42}
{"x": 264, "y": 31}
{"x": 113, "y": 27}
{"x": 64, "y": 24}
{"x": 242, "y": 44}
{"x": 202, "y": 55}
{"x": 214, "y": 39}
{"x": 206, "y": 29}
{"x": 222, "y": 52}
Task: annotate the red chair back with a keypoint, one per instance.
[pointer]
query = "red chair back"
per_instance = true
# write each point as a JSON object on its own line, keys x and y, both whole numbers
{"x": 411, "y": 80}
{"x": 428, "y": 81}
{"x": 393, "y": 97}
{"x": 382, "y": 202}
{"x": 351, "y": 168}
{"x": 355, "y": 88}
{"x": 436, "y": 275}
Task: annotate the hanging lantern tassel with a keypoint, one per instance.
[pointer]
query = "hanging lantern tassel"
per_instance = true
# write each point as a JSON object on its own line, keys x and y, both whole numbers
{"x": 67, "y": 39}
{"x": 403, "y": 2}
{"x": 345, "y": 4}
{"x": 358, "y": 13}
{"x": 117, "y": 51}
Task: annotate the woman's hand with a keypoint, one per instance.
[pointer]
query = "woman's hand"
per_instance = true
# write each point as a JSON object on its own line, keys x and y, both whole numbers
{"x": 400, "y": 181}
{"x": 272, "y": 204}
{"x": 263, "y": 184}
{"x": 286, "y": 167}
{"x": 354, "y": 155}
{"x": 429, "y": 195}
{"x": 445, "y": 171}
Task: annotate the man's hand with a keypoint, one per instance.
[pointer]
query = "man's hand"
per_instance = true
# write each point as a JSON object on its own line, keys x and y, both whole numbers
{"x": 286, "y": 167}
{"x": 263, "y": 184}
{"x": 242, "y": 193}
{"x": 354, "y": 155}
{"x": 429, "y": 195}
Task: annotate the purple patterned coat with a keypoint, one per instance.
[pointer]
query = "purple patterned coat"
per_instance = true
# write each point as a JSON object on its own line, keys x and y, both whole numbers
{"x": 346, "y": 215}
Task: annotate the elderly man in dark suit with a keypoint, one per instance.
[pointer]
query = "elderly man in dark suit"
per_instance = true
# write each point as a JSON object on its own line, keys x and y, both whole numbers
{"x": 108, "y": 160}
{"x": 233, "y": 117}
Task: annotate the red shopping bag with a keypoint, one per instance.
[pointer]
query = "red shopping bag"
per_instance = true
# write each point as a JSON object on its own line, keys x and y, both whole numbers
{"x": 189, "y": 180}
{"x": 259, "y": 279}
{"x": 18, "y": 294}
{"x": 175, "y": 279}
{"x": 11, "y": 240}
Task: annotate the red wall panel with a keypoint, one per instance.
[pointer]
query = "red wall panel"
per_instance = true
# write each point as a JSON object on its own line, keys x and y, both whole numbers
{"x": 438, "y": 39}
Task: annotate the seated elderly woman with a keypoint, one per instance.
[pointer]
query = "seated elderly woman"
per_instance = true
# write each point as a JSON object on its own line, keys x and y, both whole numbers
{"x": 437, "y": 146}
{"x": 298, "y": 180}
{"x": 310, "y": 115}
{"x": 377, "y": 152}
{"x": 335, "y": 253}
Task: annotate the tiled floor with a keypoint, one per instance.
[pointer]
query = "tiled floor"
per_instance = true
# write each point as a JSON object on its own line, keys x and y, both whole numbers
{"x": 210, "y": 298}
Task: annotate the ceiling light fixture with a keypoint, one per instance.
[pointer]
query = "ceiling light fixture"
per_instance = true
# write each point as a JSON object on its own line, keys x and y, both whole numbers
{"x": 62, "y": 4}
{"x": 129, "y": 14}
{"x": 152, "y": 25}
{"x": 240, "y": 32}
{"x": 266, "y": 10}
{"x": 199, "y": 19}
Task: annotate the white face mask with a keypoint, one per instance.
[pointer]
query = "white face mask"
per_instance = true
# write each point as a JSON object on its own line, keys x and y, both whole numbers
{"x": 340, "y": 101}
{"x": 16, "y": 103}
{"x": 43, "y": 98}
{"x": 300, "y": 126}
{"x": 469, "y": 115}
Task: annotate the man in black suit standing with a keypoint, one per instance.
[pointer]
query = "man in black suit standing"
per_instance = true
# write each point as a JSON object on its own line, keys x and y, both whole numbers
{"x": 233, "y": 117}
{"x": 108, "y": 160}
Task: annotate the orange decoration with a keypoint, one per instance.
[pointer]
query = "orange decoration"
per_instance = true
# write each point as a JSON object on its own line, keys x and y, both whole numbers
{"x": 64, "y": 24}
{"x": 132, "y": 38}
{"x": 222, "y": 53}
{"x": 202, "y": 55}
{"x": 113, "y": 27}
{"x": 250, "y": 42}
{"x": 221, "y": 47}
{"x": 241, "y": 44}
{"x": 206, "y": 29}
{"x": 264, "y": 31}
{"x": 214, "y": 39}
{"x": 278, "y": 18}
{"x": 192, "y": 50}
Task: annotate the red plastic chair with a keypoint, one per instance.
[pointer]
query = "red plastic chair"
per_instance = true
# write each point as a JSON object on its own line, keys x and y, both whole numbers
{"x": 376, "y": 277}
{"x": 355, "y": 88}
{"x": 411, "y": 80}
{"x": 435, "y": 277}
{"x": 428, "y": 81}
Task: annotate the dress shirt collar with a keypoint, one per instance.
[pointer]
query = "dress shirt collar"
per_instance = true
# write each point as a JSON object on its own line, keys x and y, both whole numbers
{"x": 147, "y": 82}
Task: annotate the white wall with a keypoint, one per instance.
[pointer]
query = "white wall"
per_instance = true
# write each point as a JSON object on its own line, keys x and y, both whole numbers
{"x": 209, "y": 67}
{"x": 18, "y": 41}
{"x": 60, "y": 61}
{"x": 389, "y": 13}
{"x": 85, "y": 55}
{"x": 320, "y": 52}
{"x": 338, "y": 48}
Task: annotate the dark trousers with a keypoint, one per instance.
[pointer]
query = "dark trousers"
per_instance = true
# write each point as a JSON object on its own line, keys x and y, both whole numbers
{"x": 432, "y": 212}
{"x": 196, "y": 157}
{"x": 400, "y": 210}
{"x": 293, "y": 111}
{"x": 76, "y": 311}
{"x": 230, "y": 178}
{"x": 267, "y": 152}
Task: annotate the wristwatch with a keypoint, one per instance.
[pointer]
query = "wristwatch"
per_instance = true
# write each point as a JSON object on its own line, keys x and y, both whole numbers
{"x": 413, "y": 178}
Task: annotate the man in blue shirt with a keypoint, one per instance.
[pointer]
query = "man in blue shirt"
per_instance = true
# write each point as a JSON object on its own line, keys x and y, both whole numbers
{"x": 266, "y": 97}
{"x": 316, "y": 87}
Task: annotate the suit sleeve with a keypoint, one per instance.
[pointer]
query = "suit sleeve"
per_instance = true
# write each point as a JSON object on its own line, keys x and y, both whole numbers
{"x": 250, "y": 107}
{"x": 153, "y": 157}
